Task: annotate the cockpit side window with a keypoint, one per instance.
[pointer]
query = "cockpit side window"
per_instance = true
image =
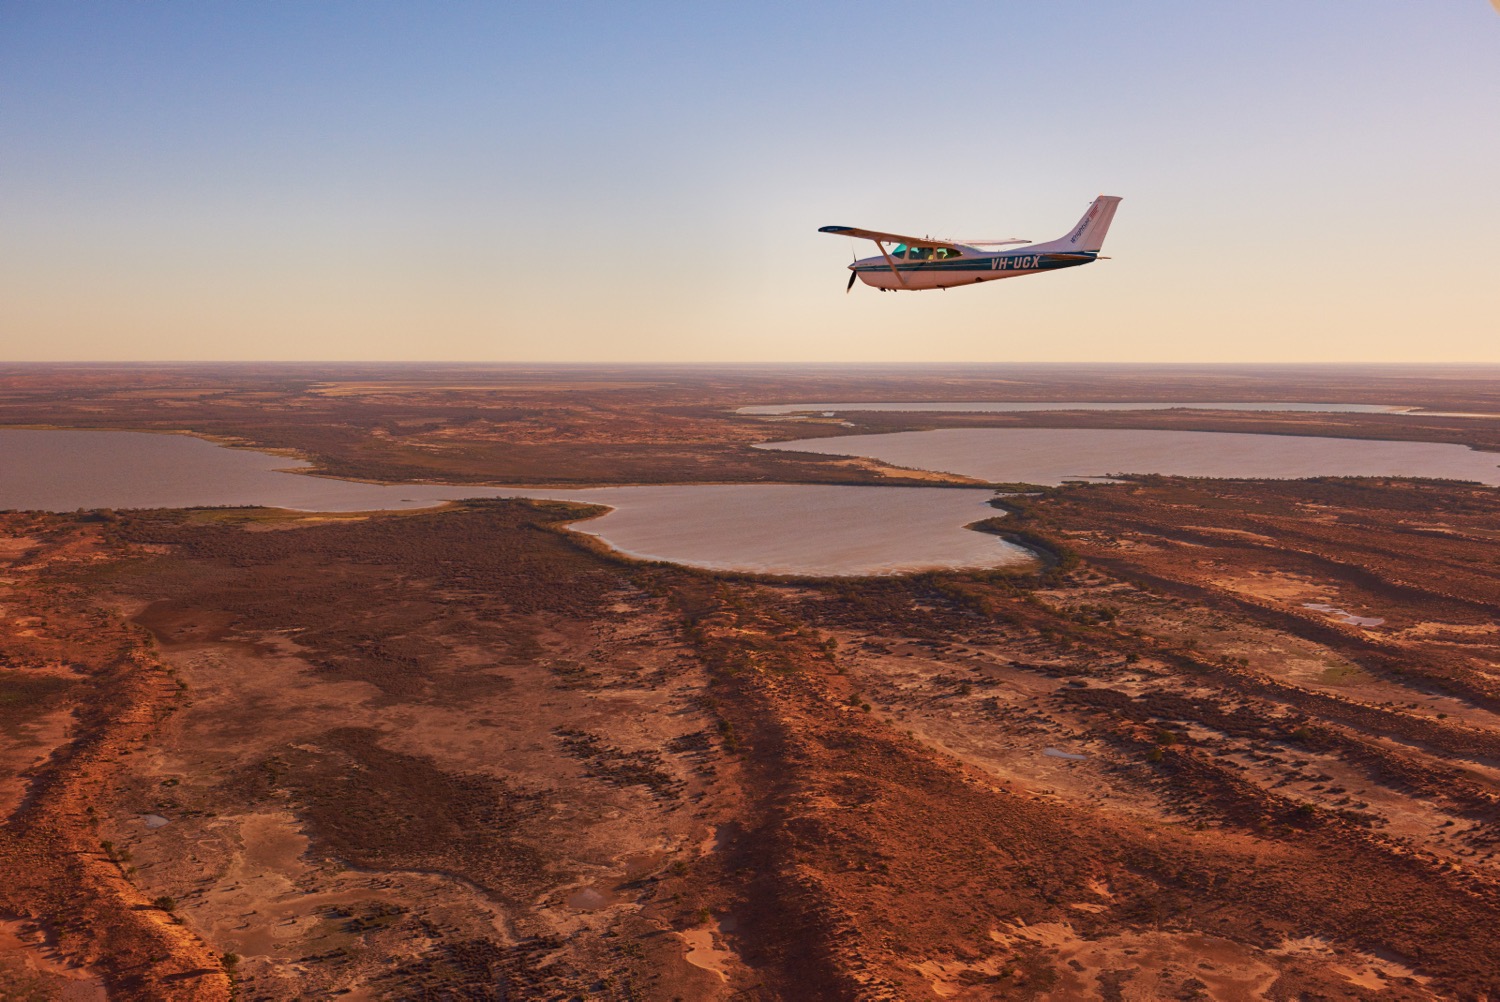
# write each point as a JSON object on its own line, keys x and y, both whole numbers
{"x": 909, "y": 253}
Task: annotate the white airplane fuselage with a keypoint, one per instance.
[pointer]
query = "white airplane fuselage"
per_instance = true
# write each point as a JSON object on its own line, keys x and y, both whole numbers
{"x": 923, "y": 263}
{"x": 972, "y": 267}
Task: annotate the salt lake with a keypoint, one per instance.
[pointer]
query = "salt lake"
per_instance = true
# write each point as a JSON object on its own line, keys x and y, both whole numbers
{"x": 796, "y": 528}
{"x": 760, "y": 528}
{"x": 1020, "y": 406}
{"x": 1056, "y": 455}
{"x": 763, "y": 528}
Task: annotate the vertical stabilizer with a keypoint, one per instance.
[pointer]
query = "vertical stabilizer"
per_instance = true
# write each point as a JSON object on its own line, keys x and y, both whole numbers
{"x": 1088, "y": 235}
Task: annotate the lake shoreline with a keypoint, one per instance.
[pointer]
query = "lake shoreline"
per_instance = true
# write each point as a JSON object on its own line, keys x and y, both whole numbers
{"x": 777, "y": 529}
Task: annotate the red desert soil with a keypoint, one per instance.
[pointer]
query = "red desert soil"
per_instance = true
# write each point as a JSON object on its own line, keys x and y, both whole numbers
{"x": 465, "y": 754}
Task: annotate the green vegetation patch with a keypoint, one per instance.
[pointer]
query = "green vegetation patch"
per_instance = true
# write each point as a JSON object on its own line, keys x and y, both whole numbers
{"x": 1345, "y": 675}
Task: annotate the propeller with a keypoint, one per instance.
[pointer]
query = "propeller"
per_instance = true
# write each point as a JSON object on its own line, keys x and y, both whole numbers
{"x": 852, "y": 276}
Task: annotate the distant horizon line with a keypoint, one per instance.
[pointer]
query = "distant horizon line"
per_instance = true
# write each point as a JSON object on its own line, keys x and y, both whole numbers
{"x": 514, "y": 363}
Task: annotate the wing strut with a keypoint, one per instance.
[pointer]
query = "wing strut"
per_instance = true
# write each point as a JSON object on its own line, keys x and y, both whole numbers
{"x": 886, "y": 254}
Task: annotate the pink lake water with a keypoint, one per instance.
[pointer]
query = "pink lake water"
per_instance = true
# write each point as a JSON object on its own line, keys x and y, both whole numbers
{"x": 816, "y": 530}
{"x": 1019, "y": 406}
{"x": 1056, "y": 455}
{"x": 798, "y": 529}
{"x": 758, "y": 528}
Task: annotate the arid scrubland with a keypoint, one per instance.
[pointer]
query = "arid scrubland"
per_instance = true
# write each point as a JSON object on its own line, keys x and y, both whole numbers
{"x": 1232, "y": 740}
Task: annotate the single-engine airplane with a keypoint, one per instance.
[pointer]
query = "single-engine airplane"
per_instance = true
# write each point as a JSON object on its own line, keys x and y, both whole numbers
{"x": 925, "y": 263}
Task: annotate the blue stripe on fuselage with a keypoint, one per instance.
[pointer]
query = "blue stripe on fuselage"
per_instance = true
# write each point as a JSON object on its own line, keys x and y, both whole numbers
{"x": 1007, "y": 263}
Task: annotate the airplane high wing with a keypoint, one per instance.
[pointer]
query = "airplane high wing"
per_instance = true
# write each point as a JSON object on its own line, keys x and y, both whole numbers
{"x": 928, "y": 263}
{"x": 888, "y": 238}
{"x": 897, "y": 238}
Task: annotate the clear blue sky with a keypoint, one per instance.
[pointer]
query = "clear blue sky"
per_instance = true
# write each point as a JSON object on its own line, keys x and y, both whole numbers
{"x": 613, "y": 182}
